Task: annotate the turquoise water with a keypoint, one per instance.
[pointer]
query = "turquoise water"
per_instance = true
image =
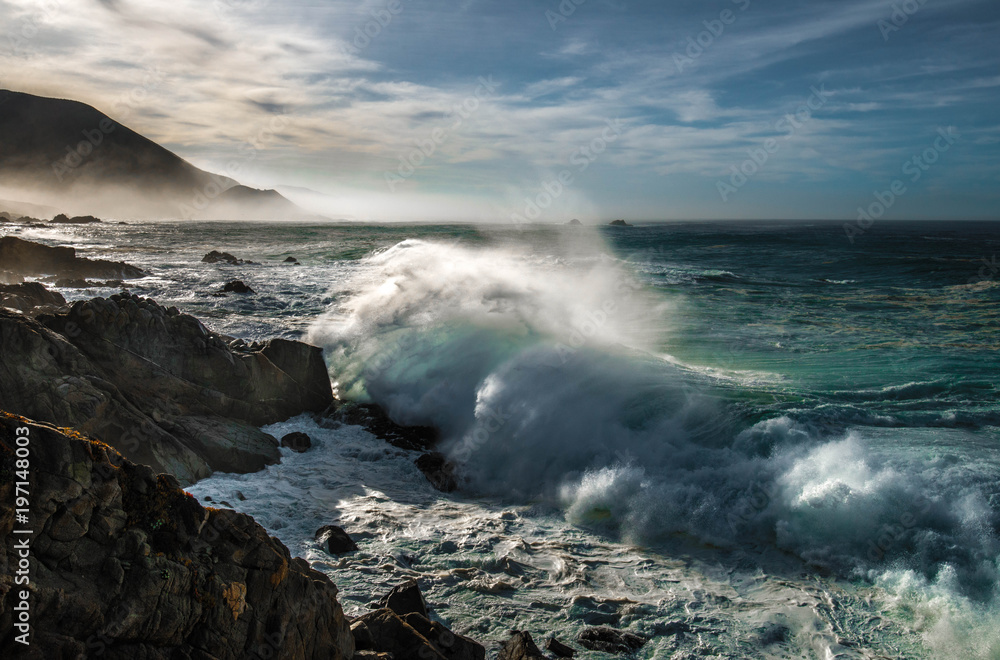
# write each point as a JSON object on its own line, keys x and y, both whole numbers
{"x": 758, "y": 424}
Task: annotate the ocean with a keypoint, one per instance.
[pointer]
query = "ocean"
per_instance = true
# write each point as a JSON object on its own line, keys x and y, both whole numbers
{"x": 753, "y": 440}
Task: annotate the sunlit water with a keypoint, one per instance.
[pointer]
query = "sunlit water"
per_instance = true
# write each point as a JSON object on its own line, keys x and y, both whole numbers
{"x": 739, "y": 440}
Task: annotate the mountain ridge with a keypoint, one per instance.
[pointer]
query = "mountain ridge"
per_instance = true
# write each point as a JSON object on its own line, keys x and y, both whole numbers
{"x": 70, "y": 155}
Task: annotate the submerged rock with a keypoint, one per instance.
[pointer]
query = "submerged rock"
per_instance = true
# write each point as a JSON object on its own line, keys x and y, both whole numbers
{"x": 610, "y": 640}
{"x": 337, "y": 541}
{"x": 126, "y": 562}
{"x": 298, "y": 442}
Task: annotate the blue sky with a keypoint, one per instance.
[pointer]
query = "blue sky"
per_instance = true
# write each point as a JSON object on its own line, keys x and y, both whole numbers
{"x": 643, "y": 110}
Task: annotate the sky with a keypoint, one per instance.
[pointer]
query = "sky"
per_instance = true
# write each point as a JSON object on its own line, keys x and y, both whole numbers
{"x": 542, "y": 111}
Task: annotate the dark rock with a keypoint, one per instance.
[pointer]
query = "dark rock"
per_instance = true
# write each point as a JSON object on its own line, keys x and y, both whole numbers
{"x": 377, "y": 422}
{"x": 574, "y": 222}
{"x": 337, "y": 541}
{"x": 519, "y": 646}
{"x": 611, "y": 640}
{"x": 157, "y": 385}
{"x": 389, "y": 633}
{"x": 87, "y": 284}
{"x": 438, "y": 470}
{"x": 559, "y": 649}
{"x": 619, "y": 223}
{"x": 122, "y": 556}
{"x": 237, "y": 286}
{"x": 291, "y": 260}
{"x": 27, "y": 296}
{"x": 405, "y": 599}
{"x": 215, "y": 257}
{"x": 772, "y": 633}
{"x": 449, "y": 644}
{"x": 78, "y": 220}
{"x": 297, "y": 442}
{"x": 27, "y": 258}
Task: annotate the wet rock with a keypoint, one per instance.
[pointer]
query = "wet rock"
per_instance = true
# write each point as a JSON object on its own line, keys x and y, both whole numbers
{"x": 26, "y": 258}
{"x": 405, "y": 599}
{"x": 519, "y": 646}
{"x": 387, "y": 632}
{"x": 237, "y": 286}
{"x": 610, "y": 640}
{"x": 337, "y": 541}
{"x": 449, "y": 644}
{"x": 438, "y": 470}
{"x": 157, "y": 385}
{"x": 297, "y": 442}
{"x": 377, "y": 422}
{"x": 78, "y": 220}
{"x": 125, "y": 558}
{"x": 291, "y": 260}
{"x": 64, "y": 283}
{"x": 559, "y": 649}
{"x": 27, "y": 296}
{"x": 216, "y": 257}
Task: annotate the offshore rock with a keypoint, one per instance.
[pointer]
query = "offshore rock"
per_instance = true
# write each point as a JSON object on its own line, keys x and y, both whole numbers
{"x": 26, "y": 258}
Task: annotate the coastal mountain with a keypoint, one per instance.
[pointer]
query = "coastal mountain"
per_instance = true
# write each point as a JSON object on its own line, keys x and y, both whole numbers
{"x": 71, "y": 156}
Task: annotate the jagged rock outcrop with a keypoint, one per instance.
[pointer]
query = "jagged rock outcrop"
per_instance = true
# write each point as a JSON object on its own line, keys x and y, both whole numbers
{"x": 401, "y": 628}
{"x": 216, "y": 257}
{"x": 520, "y": 646}
{"x": 26, "y": 258}
{"x": 237, "y": 286}
{"x": 157, "y": 385}
{"x": 28, "y": 296}
{"x": 126, "y": 565}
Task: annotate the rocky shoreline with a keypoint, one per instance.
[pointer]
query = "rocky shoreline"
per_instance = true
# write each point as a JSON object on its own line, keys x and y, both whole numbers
{"x": 125, "y": 402}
